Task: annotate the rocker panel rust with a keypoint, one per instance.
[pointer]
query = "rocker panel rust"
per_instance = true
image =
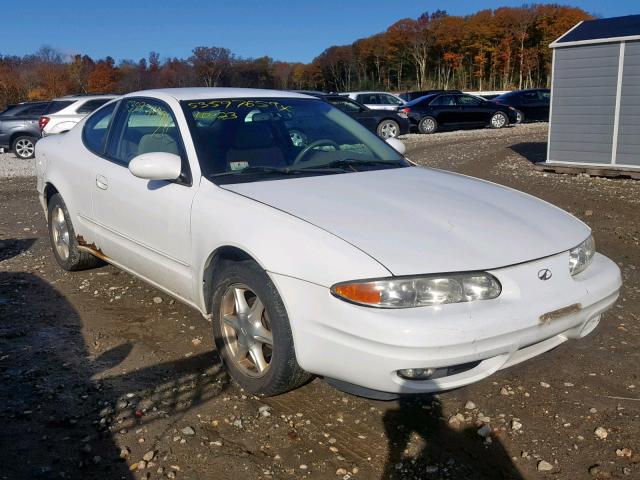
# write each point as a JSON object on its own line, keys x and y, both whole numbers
{"x": 91, "y": 248}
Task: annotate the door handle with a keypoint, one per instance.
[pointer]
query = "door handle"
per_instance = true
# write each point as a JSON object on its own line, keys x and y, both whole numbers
{"x": 102, "y": 182}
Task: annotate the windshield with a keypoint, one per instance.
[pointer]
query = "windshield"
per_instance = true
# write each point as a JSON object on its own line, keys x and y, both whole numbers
{"x": 248, "y": 139}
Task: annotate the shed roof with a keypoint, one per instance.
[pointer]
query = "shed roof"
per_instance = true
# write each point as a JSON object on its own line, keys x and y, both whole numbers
{"x": 601, "y": 31}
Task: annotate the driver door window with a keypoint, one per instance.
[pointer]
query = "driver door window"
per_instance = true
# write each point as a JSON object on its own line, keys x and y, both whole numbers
{"x": 143, "y": 126}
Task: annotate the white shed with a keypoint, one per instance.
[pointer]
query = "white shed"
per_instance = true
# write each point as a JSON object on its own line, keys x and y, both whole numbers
{"x": 594, "y": 119}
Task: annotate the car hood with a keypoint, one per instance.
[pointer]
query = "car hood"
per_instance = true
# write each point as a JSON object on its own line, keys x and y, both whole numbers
{"x": 417, "y": 220}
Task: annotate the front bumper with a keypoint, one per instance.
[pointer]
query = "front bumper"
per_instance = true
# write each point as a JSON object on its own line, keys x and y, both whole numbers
{"x": 367, "y": 346}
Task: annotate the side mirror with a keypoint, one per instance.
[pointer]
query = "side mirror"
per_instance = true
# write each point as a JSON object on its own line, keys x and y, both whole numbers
{"x": 397, "y": 145}
{"x": 156, "y": 166}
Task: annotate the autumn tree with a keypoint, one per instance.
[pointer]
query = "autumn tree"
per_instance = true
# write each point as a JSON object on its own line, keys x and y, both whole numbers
{"x": 210, "y": 63}
{"x": 104, "y": 77}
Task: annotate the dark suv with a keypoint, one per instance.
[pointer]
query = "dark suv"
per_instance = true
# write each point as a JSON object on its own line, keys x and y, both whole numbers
{"x": 429, "y": 113}
{"x": 19, "y": 129}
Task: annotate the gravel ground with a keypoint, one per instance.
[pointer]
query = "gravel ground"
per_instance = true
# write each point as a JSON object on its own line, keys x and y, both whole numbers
{"x": 101, "y": 376}
{"x": 12, "y": 166}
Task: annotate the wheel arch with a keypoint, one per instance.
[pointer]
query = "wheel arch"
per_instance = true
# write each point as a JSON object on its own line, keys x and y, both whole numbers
{"x": 49, "y": 191}
{"x": 20, "y": 133}
{"x": 225, "y": 252}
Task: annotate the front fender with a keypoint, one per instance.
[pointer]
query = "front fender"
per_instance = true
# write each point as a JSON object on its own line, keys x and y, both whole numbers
{"x": 279, "y": 242}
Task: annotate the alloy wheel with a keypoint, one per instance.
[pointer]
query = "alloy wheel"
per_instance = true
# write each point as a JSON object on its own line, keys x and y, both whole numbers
{"x": 60, "y": 232}
{"x": 388, "y": 130}
{"x": 246, "y": 330}
{"x": 25, "y": 148}
{"x": 428, "y": 125}
{"x": 498, "y": 120}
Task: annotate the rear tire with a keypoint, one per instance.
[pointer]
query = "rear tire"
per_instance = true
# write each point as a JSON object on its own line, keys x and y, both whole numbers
{"x": 252, "y": 331}
{"x": 388, "y": 129}
{"x": 63, "y": 239}
{"x": 499, "y": 120}
{"x": 24, "y": 147}
{"x": 428, "y": 125}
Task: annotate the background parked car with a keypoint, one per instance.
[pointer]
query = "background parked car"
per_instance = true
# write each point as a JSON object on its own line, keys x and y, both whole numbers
{"x": 431, "y": 112}
{"x": 531, "y": 104}
{"x": 19, "y": 130}
{"x": 410, "y": 96}
{"x": 384, "y": 123}
{"x": 63, "y": 113}
{"x": 377, "y": 100}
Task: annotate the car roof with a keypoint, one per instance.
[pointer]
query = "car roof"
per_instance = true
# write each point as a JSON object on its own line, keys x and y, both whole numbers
{"x": 75, "y": 98}
{"x": 202, "y": 93}
{"x": 425, "y": 97}
{"x": 369, "y": 91}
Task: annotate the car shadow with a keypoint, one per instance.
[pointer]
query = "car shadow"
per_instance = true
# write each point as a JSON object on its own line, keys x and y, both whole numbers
{"x": 422, "y": 445}
{"x": 59, "y": 406}
{"x": 11, "y": 247}
{"x": 535, "y": 152}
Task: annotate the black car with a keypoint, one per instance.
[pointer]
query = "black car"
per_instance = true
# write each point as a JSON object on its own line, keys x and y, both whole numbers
{"x": 384, "y": 123}
{"x": 431, "y": 112}
{"x": 532, "y": 105}
{"x": 19, "y": 129}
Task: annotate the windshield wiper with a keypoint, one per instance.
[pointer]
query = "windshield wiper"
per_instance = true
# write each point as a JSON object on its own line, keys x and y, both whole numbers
{"x": 279, "y": 171}
{"x": 352, "y": 162}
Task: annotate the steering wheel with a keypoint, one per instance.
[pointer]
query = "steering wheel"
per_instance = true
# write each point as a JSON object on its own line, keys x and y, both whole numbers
{"x": 317, "y": 143}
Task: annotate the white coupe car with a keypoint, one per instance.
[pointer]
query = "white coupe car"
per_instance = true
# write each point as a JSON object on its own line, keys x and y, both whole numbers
{"x": 335, "y": 256}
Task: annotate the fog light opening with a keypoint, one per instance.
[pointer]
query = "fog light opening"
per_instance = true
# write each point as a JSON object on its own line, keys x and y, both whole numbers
{"x": 589, "y": 326}
{"x": 416, "y": 373}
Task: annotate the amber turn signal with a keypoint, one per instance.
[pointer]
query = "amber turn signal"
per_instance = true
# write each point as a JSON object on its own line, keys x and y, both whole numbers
{"x": 359, "y": 292}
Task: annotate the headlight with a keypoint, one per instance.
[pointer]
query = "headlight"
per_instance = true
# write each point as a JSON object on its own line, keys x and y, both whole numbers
{"x": 580, "y": 257}
{"x": 404, "y": 292}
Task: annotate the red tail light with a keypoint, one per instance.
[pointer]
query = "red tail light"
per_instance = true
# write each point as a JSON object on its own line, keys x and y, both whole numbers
{"x": 406, "y": 110}
{"x": 43, "y": 122}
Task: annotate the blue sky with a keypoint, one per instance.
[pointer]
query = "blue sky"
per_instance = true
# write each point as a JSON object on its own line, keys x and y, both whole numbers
{"x": 283, "y": 29}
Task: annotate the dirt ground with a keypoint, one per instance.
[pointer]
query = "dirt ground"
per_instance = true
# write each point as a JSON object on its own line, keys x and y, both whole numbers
{"x": 103, "y": 377}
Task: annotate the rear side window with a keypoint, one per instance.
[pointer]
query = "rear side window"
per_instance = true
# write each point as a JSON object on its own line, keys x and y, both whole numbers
{"x": 35, "y": 110}
{"x": 91, "y": 105}
{"x": 530, "y": 97}
{"x": 370, "y": 99}
{"x": 443, "y": 100}
{"x": 56, "y": 106}
{"x": 390, "y": 100}
{"x": 468, "y": 101}
{"x": 13, "y": 110}
{"x": 96, "y": 128}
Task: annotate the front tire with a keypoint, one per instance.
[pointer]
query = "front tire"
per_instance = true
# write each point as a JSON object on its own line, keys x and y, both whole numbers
{"x": 63, "y": 239}
{"x": 388, "y": 129}
{"x": 428, "y": 125}
{"x": 499, "y": 120}
{"x": 252, "y": 331}
{"x": 519, "y": 117}
{"x": 24, "y": 147}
